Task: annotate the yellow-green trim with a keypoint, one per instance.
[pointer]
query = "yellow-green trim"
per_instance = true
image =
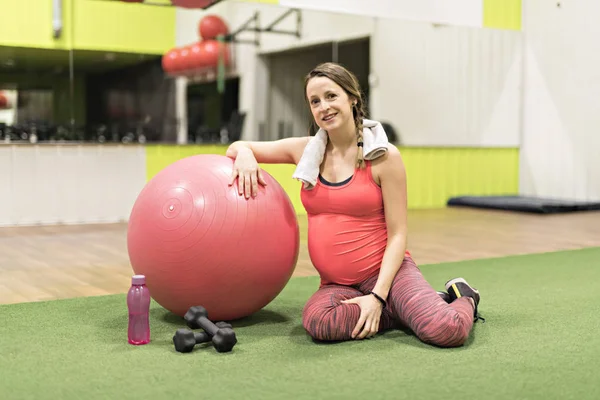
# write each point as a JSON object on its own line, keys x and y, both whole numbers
{"x": 89, "y": 25}
{"x": 28, "y": 23}
{"x": 123, "y": 27}
{"x": 160, "y": 156}
{"x": 434, "y": 174}
{"x": 502, "y": 14}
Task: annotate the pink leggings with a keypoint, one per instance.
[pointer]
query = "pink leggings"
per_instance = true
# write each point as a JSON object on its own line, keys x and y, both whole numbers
{"x": 411, "y": 302}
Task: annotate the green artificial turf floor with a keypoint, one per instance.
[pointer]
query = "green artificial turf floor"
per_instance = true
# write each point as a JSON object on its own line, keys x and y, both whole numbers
{"x": 540, "y": 340}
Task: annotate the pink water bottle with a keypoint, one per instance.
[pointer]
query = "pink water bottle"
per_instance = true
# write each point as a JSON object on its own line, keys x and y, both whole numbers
{"x": 138, "y": 303}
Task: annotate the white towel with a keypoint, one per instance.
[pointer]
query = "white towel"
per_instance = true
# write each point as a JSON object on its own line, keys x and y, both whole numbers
{"x": 375, "y": 143}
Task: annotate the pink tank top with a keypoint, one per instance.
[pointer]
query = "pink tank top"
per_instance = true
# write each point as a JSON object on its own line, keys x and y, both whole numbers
{"x": 347, "y": 233}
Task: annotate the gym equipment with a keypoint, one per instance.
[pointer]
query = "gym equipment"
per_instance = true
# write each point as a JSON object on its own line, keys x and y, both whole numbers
{"x": 526, "y": 204}
{"x": 223, "y": 338}
{"x": 197, "y": 318}
{"x": 201, "y": 56}
{"x": 170, "y": 61}
{"x": 198, "y": 241}
{"x": 183, "y": 59}
{"x": 211, "y": 26}
{"x": 185, "y": 340}
{"x": 211, "y": 50}
{"x": 216, "y": 58}
{"x": 195, "y": 56}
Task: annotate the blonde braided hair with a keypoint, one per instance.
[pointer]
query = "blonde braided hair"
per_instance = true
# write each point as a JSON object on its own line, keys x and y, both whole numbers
{"x": 349, "y": 83}
{"x": 359, "y": 114}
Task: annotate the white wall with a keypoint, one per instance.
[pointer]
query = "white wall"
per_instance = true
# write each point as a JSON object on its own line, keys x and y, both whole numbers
{"x": 316, "y": 27}
{"x": 69, "y": 184}
{"x": 458, "y": 12}
{"x": 447, "y": 85}
{"x": 560, "y": 154}
{"x": 439, "y": 86}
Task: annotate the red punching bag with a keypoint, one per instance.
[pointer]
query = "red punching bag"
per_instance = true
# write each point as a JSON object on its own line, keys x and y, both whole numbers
{"x": 170, "y": 61}
{"x": 211, "y": 50}
{"x": 212, "y": 26}
{"x": 183, "y": 61}
{"x": 196, "y": 56}
{"x": 176, "y": 60}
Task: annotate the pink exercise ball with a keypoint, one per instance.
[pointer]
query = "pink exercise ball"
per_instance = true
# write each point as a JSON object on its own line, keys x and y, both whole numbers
{"x": 198, "y": 242}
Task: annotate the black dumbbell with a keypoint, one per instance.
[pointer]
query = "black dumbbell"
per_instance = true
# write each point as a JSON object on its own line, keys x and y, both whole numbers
{"x": 185, "y": 340}
{"x": 223, "y": 338}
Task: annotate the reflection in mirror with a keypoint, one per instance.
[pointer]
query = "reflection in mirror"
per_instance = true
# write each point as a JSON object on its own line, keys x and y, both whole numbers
{"x": 25, "y": 114}
{"x": 127, "y": 98}
{"x": 8, "y": 99}
{"x": 55, "y": 95}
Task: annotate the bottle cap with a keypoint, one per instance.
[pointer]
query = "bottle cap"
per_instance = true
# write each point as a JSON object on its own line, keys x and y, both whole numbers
{"x": 138, "y": 280}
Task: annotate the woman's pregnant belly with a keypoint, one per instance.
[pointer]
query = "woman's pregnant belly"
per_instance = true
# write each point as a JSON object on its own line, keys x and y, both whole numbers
{"x": 345, "y": 249}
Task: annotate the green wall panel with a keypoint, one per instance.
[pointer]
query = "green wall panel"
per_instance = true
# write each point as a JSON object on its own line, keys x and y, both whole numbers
{"x": 502, "y": 14}
{"x": 436, "y": 174}
{"x": 123, "y": 27}
{"x": 103, "y": 25}
{"x": 28, "y": 23}
{"x": 433, "y": 174}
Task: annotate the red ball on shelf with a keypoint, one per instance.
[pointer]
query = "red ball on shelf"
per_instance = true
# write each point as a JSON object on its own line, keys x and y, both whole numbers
{"x": 212, "y": 26}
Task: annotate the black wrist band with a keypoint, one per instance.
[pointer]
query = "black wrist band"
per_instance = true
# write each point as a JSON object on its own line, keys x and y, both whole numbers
{"x": 378, "y": 298}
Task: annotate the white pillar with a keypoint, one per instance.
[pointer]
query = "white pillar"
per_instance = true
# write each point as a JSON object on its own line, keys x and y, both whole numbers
{"x": 181, "y": 109}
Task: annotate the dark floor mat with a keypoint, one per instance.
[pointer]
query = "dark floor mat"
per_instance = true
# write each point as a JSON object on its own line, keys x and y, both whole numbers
{"x": 523, "y": 204}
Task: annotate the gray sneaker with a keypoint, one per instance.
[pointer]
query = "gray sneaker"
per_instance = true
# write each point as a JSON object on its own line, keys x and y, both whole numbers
{"x": 458, "y": 287}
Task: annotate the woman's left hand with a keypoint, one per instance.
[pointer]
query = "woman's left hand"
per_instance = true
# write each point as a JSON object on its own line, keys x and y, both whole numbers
{"x": 370, "y": 315}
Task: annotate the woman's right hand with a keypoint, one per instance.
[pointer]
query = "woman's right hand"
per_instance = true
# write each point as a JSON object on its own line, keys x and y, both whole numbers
{"x": 246, "y": 169}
